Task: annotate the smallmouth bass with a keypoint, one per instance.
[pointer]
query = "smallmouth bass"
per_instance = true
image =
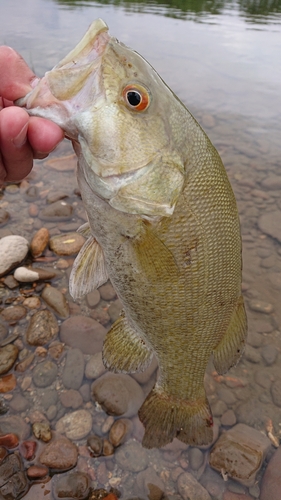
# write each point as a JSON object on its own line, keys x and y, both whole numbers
{"x": 163, "y": 226}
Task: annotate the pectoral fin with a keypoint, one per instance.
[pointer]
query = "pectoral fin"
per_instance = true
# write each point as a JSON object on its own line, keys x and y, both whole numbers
{"x": 124, "y": 350}
{"x": 88, "y": 271}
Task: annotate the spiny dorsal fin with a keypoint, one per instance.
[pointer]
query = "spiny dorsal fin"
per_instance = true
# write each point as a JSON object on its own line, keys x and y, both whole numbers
{"x": 88, "y": 271}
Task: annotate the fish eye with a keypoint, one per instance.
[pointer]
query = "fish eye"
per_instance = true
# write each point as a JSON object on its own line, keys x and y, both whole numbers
{"x": 136, "y": 97}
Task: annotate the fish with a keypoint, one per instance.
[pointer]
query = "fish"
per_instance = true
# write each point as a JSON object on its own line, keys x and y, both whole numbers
{"x": 163, "y": 226}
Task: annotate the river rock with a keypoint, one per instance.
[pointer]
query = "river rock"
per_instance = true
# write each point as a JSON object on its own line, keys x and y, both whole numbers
{"x": 13, "y": 482}
{"x": 67, "y": 244}
{"x": 4, "y": 217}
{"x": 84, "y": 333}
{"x": 8, "y": 356}
{"x": 13, "y": 314}
{"x": 132, "y": 456}
{"x": 118, "y": 394}
{"x": 73, "y": 371}
{"x": 71, "y": 399}
{"x": 37, "y": 471}
{"x": 269, "y": 223}
{"x": 60, "y": 454}
{"x": 74, "y": 485}
{"x": 240, "y": 452}
{"x": 3, "y": 331}
{"x": 39, "y": 242}
{"x": 10, "y": 441}
{"x": 149, "y": 484}
{"x": 44, "y": 374}
{"x": 107, "y": 292}
{"x": 114, "y": 310}
{"x": 56, "y": 301}
{"x": 25, "y": 275}
{"x": 76, "y": 424}
{"x": 95, "y": 367}
{"x": 120, "y": 431}
{"x": 272, "y": 181}
{"x": 16, "y": 425}
{"x": 43, "y": 327}
{"x": 27, "y": 449}
{"x": 269, "y": 353}
{"x": 32, "y": 302}
{"x": 144, "y": 377}
{"x": 276, "y": 392}
{"x": 95, "y": 445}
{"x": 271, "y": 481}
{"x": 13, "y": 250}
{"x": 58, "y": 211}
{"x": 42, "y": 431}
{"x": 19, "y": 403}
{"x": 190, "y": 489}
{"x": 93, "y": 298}
{"x": 8, "y": 383}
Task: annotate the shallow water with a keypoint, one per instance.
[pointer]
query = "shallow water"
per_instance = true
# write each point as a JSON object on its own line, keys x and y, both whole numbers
{"x": 223, "y": 60}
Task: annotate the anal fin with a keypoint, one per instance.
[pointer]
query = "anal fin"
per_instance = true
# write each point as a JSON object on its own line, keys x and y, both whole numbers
{"x": 231, "y": 347}
{"x": 124, "y": 350}
{"x": 88, "y": 271}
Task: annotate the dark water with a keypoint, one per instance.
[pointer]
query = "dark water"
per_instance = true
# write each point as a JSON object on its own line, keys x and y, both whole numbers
{"x": 223, "y": 60}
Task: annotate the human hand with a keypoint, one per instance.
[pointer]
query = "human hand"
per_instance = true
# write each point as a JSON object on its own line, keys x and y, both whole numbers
{"x": 22, "y": 138}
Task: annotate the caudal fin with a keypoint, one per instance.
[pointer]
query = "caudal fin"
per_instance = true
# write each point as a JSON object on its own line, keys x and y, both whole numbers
{"x": 165, "y": 418}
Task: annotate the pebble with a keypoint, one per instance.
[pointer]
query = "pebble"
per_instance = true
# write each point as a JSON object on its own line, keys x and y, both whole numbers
{"x": 272, "y": 182}
{"x": 9, "y": 441}
{"x": 145, "y": 376}
{"x": 13, "y": 482}
{"x": 149, "y": 484}
{"x": 132, "y": 456}
{"x": 58, "y": 211}
{"x": 13, "y": 314}
{"x": 229, "y": 495}
{"x": 32, "y": 302}
{"x": 95, "y": 445}
{"x": 44, "y": 374}
{"x": 75, "y": 425}
{"x": 3, "y": 331}
{"x": 254, "y": 339}
{"x": 85, "y": 392}
{"x": 16, "y": 425}
{"x": 7, "y": 383}
{"x": 118, "y": 394}
{"x": 276, "y": 392}
{"x": 84, "y": 333}
{"x": 37, "y": 471}
{"x": 26, "y": 275}
{"x": 269, "y": 223}
{"x": 56, "y": 349}
{"x": 114, "y": 310}
{"x": 74, "y": 485}
{"x": 43, "y": 327}
{"x": 27, "y": 449}
{"x": 95, "y": 367}
{"x": 33, "y": 210}
{"x": 190, "y": 489}
{"x": 4, "y": 217}
{"x": 120, "y": 431}
{"x": 73, "y": 371}
{"x": 51, "y": 413}
{"x": 107, "y": 448}
{"x": 56, "y": 196}
{"x": 271, "y": 481}
{"x": 39, "y": 242}
{"x": 269, "y": 354}
{"x": 251, "y": 354}
{"x": 196, "y": 458}
{"x": 107, "y": 292}
{"x": 71, "y": 399}
{"x": 218, "y": 408}
{"x": 19, "y": 403}
{"x": 100, "y": 315}
{"x": 240, "y": 452}
{"x": 60, "y": 454}
{"x": 67, "y": 244}
{"x": 42, "y": 431}
{"x": 8, "y": 356}
{"x": 261, "y": 306}
{"x": 262, "y": 326}
{"x": 13, "y": 250}
{"x": 10, "y": 282}
{"x": 56, "y": 301}
{"x": 93, "y": 298}
{"x": 264, "y": 377}
{"x": 23, "y": 365}
{"x": 228, "y": 418}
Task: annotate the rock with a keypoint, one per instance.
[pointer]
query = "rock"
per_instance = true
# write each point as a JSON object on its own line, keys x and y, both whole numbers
{"x": 42, "y": 431}
{"x": 196, "y": 458}
{"x": 3, "y": 454}
{"x": 218, "y": 408}
{"x": 144, "y": 377}
{"x": 58, "y": 211}
{"x": 93, "y": 298}
{"x": 251, "y": 354}
{"x": 4, "y": 217}
{"x": 13, "y": 250}
{"x": 9, "y": 441}
{"x": 228, "y": 418}
{"x": 44, "y": 374}
{"x": 23, "y": 365}
{"x": 276, "y": 392}
{"x": 95, "y": 445}
{"x": 13, "y": 314}
{"x": 83, "y": 333}
{"x": 32, "y": 302}
{"x": 71, "y": 399}
{"x": 48, "y": 397}
{"x": 37, "y": 471}
{"x": 107, "y": 292}
{"x": 120, "y": 431}
{"x": 10, "y": 282}
{"x": 19, "y": 403}
{"x": 27, "y": 449}
{"x": 261, "y": 306}
{"x": 264, "y": 378}
{"x": 95, "y": 367}
{"x": 40, "y": 490}
{"x": 240, "y": 452}
{"x": 114, "y": 310}
{"x": 39, "y": 242}
{"x": 60, "y": 454}
{"x": 132, "y": 456}
{"x": 269, "y": 223}
{"x": 26, "y": 275}
{"x": 75, "y": 425}
{"x": 8, "y": 356}
{"x": 73, "y": 371}
{"x": 271, "y": 481}
{"x": 43, "y": 327}
{"x": 190, "y": 489}
{"x": 149, "y": 484}
{"x": 118, "y": 394}
{"x": 269, "y": 354}
{"x": 272, "y": 182}
{"x": 100, "y": 315}
{"x": 15, "y": 425}
{"x": 56, "y": 301}
{"x": 229, "y": 495}
{"x": 75, "y": 485}
{"x": 13, "y": 482}
{"x": 31, "y": 193}
{"x": 8, "y": 383}
{"x": 3, "y": 331}
{"x": 67, "y": 244}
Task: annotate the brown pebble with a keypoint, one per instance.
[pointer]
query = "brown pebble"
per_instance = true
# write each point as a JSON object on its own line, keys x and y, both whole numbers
{"x": 42, "y": 430}
{"x": 107, "y": 448}
{"x": 39, "y": 242}
{"x": 25, "y": 363}
{"x": 27, "y": 449}
{"x": 67, "y": 244}
{"x": 56, "y": 349}
{"x": 95, "y": 444}
{"x": 9, "y": 441}
{"x": 32, "y": 302}
{"x": 33, "y": 210}
{"x": 8, "y": 383}
{"x": 37, "y": 471}
{"x": 3, "y": 453}
{"x": 13, "y": 314}
{"x": 119, "y": 431}
{"x": 107, "y": 292}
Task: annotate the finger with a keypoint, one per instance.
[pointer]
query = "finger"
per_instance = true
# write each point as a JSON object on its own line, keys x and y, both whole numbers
{"x": 16, "y": 80}
{"x": 43, "y": 136}
{"x": 17, "y": 154}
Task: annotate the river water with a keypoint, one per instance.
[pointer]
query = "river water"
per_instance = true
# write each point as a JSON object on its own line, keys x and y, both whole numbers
{"x": 222, "y": 59}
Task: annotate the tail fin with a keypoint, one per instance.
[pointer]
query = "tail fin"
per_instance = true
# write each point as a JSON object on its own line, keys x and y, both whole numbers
{"x": 165, "y": 418}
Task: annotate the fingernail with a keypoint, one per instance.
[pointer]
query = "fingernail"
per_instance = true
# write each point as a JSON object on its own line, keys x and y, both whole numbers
{"x": 21, "y": 138}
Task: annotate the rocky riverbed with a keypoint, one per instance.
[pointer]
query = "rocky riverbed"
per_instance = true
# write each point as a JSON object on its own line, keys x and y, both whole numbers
{"x": 69, "y": 428}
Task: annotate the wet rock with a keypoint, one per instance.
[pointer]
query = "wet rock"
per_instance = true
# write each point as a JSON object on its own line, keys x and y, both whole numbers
{"x": 51, "y": 413}
{"x": 196, "y": 458}
{"x": 4, "y": 217}
{"x": 276, "y": 392}
{"x": 13, "y": 482}
{"x": 40, "y": 491}
{"x": 8, "y": 356}
{"x": 85, "y": 392}
{"x": 44, "y": 374}
{"x": 37, "y": 471}
{"x": 101, "y": 315}
{"x": 271, "y": 481}
{"x": 251, "y": 354}
{"x": 262, "y": 326}
{"x": 144, "y": 377}
{"x": 58, "y": 211}
{"x": 269, "y": 354}
{"x": 95, "y": 367}
{"x": 107, "y": 448}
{"x": 229, "y": 495}
{"x": 120, "y": 431}
{"x": 93, "y": 298}
{"x": 3, "y": 454}
{"x": 7, "y": 383}
{"x": 3, "y": 331}
{"x": 84, "y": 333}
{"x": 25, "y": 275}
{"x": 10, "y": 282}
{"x": 32, "y": 302}
{"x": 23, "y": 365}
{"x": 13, "y": 250}
{"x": 269, "y": 223}
{"x": 67, "y": 244}
{"x": 272, "y": 181}
{"x": 19, "y": 403}
{"x": 56, "y": 196}
{"x": 261, "y": 306}
{"x": 73, "y": 371}
{"x": 31, "y": 193}
{"x": 39, "y": 242}
{"x": 75, "y": 425}
{"x": 132, "y": 456}
{"x": 27, "y": 449}
{"x": 71, "y": 399}
{"x": 118, "y": 394}
{"x": 42, "y": 431}
{"x": 95, "y": 445}
{"x": 107, "y": 292}
{"x": 218, "y": 408}
{"x": 75, "y": 485}
{"x": 15, "y": 425}
{"x": 9, "y": 441}
{"x": 149, "y": 484}
{"x": 240, "y": 451}
{"x": 114, "y": 310}
{"x": 43, "y": 327}
{"x": 228, "y": 418}
{"x": 254, "y": 339}
{"x": 264, "y": 378}
{"x": 13, "y": 314}
{"x": 190, "y": 489}
{"x": 60, "y": 454}
{"x": 56, "y": 301}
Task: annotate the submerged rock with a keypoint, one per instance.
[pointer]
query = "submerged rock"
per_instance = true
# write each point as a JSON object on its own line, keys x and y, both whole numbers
{"x": 13, "y": 250}
{"x": 60, "y": 454}
{"x": 118, "y": 394}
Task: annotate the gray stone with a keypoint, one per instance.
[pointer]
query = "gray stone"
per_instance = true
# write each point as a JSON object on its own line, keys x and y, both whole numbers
{"x": 8, "y": 356}
{"x": 73, "y": 371}
{"x": 14, "y": 424}
{"x": 13, "y": 250}
{"x": 269, "y": 223}
{"x": 196, "y": 458}
{"x": 19, "y": 403}
{"x": 56, "y": 301}
{"x": 73, "y": 485}
{"x": 93, "y": 298}
{"x": 44, "y": 374}
{"x": 271, "y": 481}
{"x": 95, "y": 367}
{"x": 276, "y": 392}
{"x": 132, "y": 456}
{"x": 75, "y": 425}
{"x": 43, "y": 327}
{"x": 84, "y": 333}
{"x": 48, "y": 398}
{"x": 190, "y": 489}
{"x": 251, "y": 354}
{"x": 60, "y": 454}
{"x": 57, "y": 211}
{"x": 269, "y": 354}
